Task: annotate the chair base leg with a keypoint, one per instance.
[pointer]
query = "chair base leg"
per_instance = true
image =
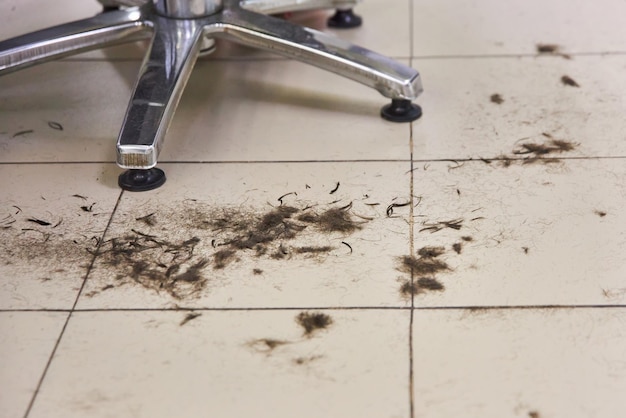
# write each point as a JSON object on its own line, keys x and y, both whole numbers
{"x": 141, "y": 180}
{"x": 401, "y": 110}
{"x": 175, "y": 45}
{"x": 344, "y": 19}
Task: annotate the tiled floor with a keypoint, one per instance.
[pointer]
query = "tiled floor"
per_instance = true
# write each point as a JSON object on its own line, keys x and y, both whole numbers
{"x": 471, "y": 264}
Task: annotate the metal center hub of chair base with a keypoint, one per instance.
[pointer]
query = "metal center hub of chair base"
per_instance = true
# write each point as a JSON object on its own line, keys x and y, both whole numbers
{"x": 187, "y": 9}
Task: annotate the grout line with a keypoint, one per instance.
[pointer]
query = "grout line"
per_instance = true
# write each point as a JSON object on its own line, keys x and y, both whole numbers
{"x": 482, "y": 159}
{"x": 411, "y": 235}
{"x": 329, "y": 308}
{"x": 49, "y": 310}
{"x": 519, "y": 55}
{"x": 411, "y": 34}
{"x": 97, "y": 250}
{"x": 412, "y": 253}
{"x": 69, "y": 316}
{"x": 53, "y": 162}
{"x": 235, "y": 309}
{"x": 517, "y": 307}
{"x": 411, "y": 231}
{"x": 411, "y": 364}
{"x": 391, "y": 160}
{"x": 254, "y": 309}
{"x": 432, "y": 160}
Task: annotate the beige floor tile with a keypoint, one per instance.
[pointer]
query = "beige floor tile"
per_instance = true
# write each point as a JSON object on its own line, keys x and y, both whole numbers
{"x": 262, "y": 110}
{"x": 26, "y": 342}
{"x": 34, "y": 15}
{"x": 87, "y": 100}
{"x": 231, "y": 111}
{"x": 520, "y": 363}
{"x": 386, "y": 27}
{"x": 527, "y": 234}
{"x": 216, "y": 237}
{"x": 50, "y": 215}
{"x": 280, "y": 110}
{"x": 229, "y": 364}
{"x": 470, "y": 27}
{"x": 461, "y": 120}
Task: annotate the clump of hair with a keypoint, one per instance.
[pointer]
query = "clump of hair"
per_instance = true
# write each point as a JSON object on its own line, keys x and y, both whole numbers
{"x": 409, "y": 288}
{"x": 422, "y": 265}
{"x": 313, "y": 321}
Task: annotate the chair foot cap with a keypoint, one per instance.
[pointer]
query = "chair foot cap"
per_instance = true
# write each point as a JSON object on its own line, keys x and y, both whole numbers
{"x": 141, "y": 180}
{"x": 401, "y": 110}
{"x": 344, "y": 19}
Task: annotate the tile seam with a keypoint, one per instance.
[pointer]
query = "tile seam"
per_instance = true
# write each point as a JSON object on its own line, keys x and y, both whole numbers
{"x": 69, "y": 314}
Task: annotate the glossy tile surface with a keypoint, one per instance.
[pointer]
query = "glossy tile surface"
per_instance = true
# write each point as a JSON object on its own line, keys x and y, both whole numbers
{"x": 26, "y": 343}
{"x": 520, "y": 363}
{"x": 307, "y": 258}
{"x": 34, "y": 16}
{"x": 85, "y": 102}
{"x": 486, "y": 107}
{"x": 267, "y": 110}
{"x": 276, "y": 110}
{"x": 229, "y": 364}
{"x": 52, "y": 216}
{"x": 523, "y": 232}
{"x": 257, "y": 235}
{"x": 491, "y": 27}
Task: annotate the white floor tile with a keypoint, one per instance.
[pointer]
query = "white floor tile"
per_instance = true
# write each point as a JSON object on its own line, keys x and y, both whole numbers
{"x": 528, "y": 234}
{"x": 461, "y": 120}
{"x": 231, "y": 111}
{"x": 34, "y": 15}
{"x": 280, "y": 110}
{"x": 386, "y": 27}
{"x": 26, "y": 342}
{"x": 520, "y": 363}
{"x": 470, "y": 27}
{"x": 345, "y": 257}
{"x": 87, "y": 100}
{"x": 263, "y": 111}
{"x": 229, "y": 364}
{"x": 51, "y": 218}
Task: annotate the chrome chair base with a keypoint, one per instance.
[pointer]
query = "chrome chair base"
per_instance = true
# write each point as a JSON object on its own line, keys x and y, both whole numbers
{"x": 180, "y": 30}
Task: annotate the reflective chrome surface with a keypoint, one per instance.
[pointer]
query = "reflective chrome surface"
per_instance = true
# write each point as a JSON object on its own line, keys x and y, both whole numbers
{"x": 177, "y": 42}
{"x": 72, "y": 38}
{"x": 162, "y": 78}
{"x": 187, "y": 9}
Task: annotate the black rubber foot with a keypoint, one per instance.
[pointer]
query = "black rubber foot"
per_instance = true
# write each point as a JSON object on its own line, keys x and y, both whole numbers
{"x": 110, "y": 8}
{"x": 401, "y": 110}
{"x": 344, "y": 19}
{"x": 141, "y": 180}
